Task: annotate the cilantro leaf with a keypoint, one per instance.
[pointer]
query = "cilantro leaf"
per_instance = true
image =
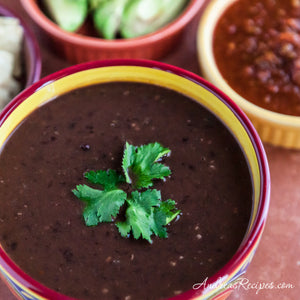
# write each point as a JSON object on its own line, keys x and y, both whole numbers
{"x": 138, "y": 214}
{"x": 169, "y": 209}
{"x": 146, "y": 215}
{"x": 128, "y": 160}
{"x": 146, "y": 199}
{"x": 101, "y": 206}
{"x": 162, "y": 216}
{"x": 159, "y": 222}
{"x": 140, "y": 164}
{"x": 107, "y": 179}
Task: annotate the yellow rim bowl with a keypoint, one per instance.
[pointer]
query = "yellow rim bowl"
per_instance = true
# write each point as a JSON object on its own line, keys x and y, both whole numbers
{"x": 173, "y": 78}
{"x": 274, "y": 128}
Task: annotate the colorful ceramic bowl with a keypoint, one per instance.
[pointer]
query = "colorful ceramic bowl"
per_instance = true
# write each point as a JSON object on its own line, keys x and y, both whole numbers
{"x": 218, "y": 286}
{"x": 32, "y": 57}
{"x": 275, "y": 128}
{"x": 79, "y": 48}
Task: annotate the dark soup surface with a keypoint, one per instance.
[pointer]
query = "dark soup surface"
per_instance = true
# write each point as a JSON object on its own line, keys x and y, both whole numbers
{"x": 41, "y": 222}
{"x": 257, "y": 49}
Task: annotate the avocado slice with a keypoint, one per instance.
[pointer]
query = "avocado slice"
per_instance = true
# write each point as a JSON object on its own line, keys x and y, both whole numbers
{"x": 95, "y": 3}
{"x": 107, "y": 17}
{"x": 68, "y": 14}
{"x": 145, "y": 16}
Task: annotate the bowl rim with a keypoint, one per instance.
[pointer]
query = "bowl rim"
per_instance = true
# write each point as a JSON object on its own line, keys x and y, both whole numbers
{"x": 191, "y": 9}
{"x": 211, "y": 15}
{"x": 253, "y": 237}
{"x": 30, "y": 43}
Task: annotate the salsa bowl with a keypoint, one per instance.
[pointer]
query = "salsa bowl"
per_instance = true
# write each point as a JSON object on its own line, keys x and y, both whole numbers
{"x": 79, "y": 48}
{"x": 221, "y": 281}
{"x": 274, "y": 127}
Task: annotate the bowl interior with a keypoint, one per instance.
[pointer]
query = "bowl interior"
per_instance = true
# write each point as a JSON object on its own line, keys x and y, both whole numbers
{"x": 145, "y": 75}
{"x": 173, "y": 78}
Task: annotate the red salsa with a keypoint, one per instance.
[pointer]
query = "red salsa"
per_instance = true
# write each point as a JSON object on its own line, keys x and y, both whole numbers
{"x": 257, "y": 49}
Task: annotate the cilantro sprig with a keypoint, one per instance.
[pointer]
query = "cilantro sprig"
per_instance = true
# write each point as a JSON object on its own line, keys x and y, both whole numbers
{"x": 141, "y": 163}
{"x": 101, "y": 205}
{"x": 146, "y": 213}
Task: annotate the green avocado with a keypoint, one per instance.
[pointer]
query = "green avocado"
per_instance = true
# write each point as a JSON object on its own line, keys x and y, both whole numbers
{"x": 95, "y": 3}
{"x": 145, "y": 16}
{"x": 68, "y": 14}
{"x": 107, "y": 16}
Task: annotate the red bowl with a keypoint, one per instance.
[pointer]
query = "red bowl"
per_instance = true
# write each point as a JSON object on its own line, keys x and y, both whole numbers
{"x": 80, "y": 48}
{"x": 32, "y": 56}
{"x": 222, "y": 282}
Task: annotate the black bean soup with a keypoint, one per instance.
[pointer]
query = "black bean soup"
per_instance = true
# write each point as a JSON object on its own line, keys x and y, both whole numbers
{"x": 41, "y": 223}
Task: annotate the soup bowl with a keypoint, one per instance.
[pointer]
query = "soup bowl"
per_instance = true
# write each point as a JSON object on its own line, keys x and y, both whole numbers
{"x": 217, "y": 286}
{"x": 273, "y": 127}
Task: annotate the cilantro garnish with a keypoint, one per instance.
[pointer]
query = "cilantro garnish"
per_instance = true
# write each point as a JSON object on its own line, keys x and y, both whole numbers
{"x": 145, "y": 212}
{"x": 108, "y": 179}
{"x": 142, "y": 163}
